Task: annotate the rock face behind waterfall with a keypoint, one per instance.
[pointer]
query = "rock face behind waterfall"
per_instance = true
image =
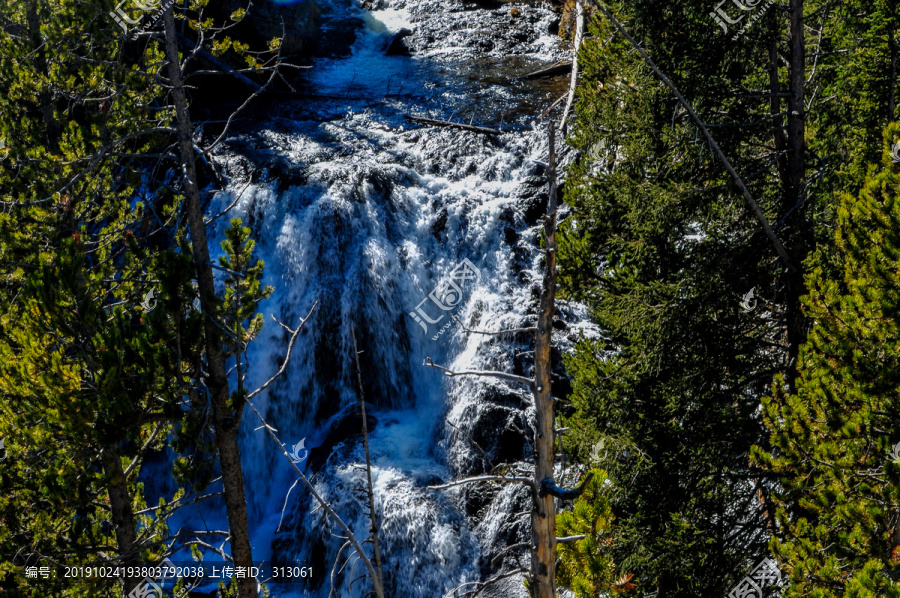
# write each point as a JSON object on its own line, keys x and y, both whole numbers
{"x": 356, "y": 207}
{"x": 307, "y": 27}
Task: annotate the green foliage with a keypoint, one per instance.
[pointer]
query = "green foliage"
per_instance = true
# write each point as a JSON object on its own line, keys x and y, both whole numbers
{"x": 89, "y": 243}
{"x": 583, "y": 565}
{"x": 662, "y": 248}
{"x": 243, "y": 292}
{"x": 243, "y": 288}
{"x": 672, "y": 384}
{"x": 832, "y": 439}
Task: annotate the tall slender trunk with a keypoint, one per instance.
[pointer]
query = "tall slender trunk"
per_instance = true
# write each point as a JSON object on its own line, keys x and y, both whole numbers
{"x": 373, "y": 517}
{"x": 543, "y": 516}
{"x": 121, "y": 513}
{"x": 779, "y": 137}
{"x": 225, "y": 420}
{"x": 796, "y": 148}
{"x": 892, "y": 82}
{"x": 576, "y": 42}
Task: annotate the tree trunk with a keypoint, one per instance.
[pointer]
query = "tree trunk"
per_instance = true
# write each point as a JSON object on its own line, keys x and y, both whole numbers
{"x": 796, "y": 147}
{"x": 225, "y": 421}
{"x": 573, "y": 83}
{"x": 122, "y": 514}
{"x": 373, "y": 517}
{"x": 543, "y": 516}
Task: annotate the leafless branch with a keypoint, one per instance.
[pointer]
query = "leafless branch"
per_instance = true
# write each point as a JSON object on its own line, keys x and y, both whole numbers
{"x": 499, "y": 332}
{"x": 486, "y": 478}
{"x": 334, "y": 567}
{"x": 502, "y": 375}
{"x": 231, "y": 205}
{"x": 150, "y": 440}
{"x": 480, "y": 586}
{"x": 431, "y": 122}
{"x": 569, "y": 539}
{"x": 573, "y": 82}
{"x": 509, "y": 549}
{"x": 287, "y": 356}
{"x": 325, "y": 506}
{"x": 286, "y": 497}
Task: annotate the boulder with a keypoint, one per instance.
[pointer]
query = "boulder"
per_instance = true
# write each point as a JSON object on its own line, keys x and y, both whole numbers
{"x": 398, "y": 47}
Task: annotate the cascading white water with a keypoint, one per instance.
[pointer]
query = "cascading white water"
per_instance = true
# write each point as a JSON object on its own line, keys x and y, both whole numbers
{"x": 357, "y": 209}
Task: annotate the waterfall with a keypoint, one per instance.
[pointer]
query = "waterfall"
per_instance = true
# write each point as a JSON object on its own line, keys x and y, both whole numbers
{"x": 354, "y": 207}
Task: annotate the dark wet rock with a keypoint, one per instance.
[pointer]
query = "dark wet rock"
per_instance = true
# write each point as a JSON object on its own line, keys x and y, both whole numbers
{"x": 398, "y": 47}
{"x": 553, "y": 27}
{"x": 497, "y": 430}
{"x": 440, "y": 224}
{"x": 337, "y": 35}
{"x": 533, "y": 207}
{"x": 346, "y": 427}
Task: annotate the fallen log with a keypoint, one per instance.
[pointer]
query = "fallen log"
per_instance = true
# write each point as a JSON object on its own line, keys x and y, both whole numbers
{"x": 443, "y": 123}
{"x": 551, "y": 71}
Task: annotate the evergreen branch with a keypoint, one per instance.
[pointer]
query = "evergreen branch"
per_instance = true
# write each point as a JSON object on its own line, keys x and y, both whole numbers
{"x": 176, "y": 507}
{"x": 779, "y": 248}
{"x": 102, "y": 153}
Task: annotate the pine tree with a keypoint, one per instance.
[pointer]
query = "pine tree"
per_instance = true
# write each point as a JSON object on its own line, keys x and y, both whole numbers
{"x": 102, "y": 355}
{"x": 89, "y": 382}
{"x": 839, "y": 520}
{"x": 660, "y": 247}
{"x": 584, "y": 566}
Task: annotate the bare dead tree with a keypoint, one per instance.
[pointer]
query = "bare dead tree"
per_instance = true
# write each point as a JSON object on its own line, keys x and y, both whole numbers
{"x": 576, "y": 43}
{"x": 431, "y": 122}
{"x": 373, "y": 516}
{"x": 544, "y": 491}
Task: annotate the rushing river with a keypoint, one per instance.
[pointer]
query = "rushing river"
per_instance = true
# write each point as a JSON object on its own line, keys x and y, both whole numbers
{"x": 357, "y": 208}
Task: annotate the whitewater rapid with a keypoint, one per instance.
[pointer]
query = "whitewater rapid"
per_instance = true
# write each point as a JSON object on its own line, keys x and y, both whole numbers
{"x": 368, "y": 214}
